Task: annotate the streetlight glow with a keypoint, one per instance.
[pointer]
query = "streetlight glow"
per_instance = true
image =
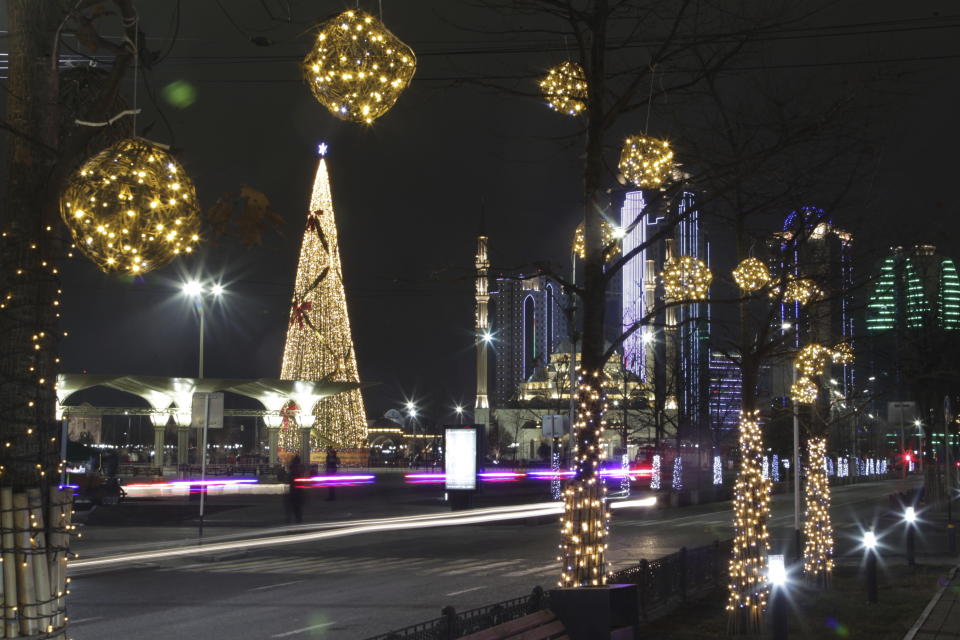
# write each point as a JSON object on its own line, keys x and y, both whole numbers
{"x": 217, "y": 289}
{"x": 910, "y": 515}
{"x": 487, "y": 337}
{"x": 458, "y": 409}
{"x": 776, "y": 570}
{"x": 193, "y": 288}
{"x": 869, "y": 539}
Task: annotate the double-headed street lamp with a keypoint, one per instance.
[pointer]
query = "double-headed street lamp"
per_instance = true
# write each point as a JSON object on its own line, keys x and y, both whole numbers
{"x": 197, "y": 291}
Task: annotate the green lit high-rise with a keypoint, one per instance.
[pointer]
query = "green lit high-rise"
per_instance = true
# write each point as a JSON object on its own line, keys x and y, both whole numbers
{"x": 915, "y": 289}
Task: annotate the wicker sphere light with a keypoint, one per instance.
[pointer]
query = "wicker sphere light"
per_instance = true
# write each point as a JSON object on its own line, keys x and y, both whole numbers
{"x": 646, "y": 162}
{"x": 843, "y": 353}
{"x": 803, "y": 391}
{"x": 800, "y": 290}
{"x": 611, "y": 241}
{"x": 358, "y": 68}
{"x": 131, "y": 208}
{"x": 685, "y": 278}
{"x": 812, "y": 360}
{"x": 565, "y": 88}
{"x": 751, "y": 275}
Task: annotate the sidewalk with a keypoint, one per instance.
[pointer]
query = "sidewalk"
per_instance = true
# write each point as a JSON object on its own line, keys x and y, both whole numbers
{"x": 940, "y": 620}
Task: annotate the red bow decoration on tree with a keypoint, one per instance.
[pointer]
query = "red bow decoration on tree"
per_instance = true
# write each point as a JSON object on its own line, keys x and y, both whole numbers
{"x": 313, "y": 224}
{"x": 299, "y": 313}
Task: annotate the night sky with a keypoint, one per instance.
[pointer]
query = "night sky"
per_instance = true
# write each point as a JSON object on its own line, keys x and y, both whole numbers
{"x": 409, "y": 190}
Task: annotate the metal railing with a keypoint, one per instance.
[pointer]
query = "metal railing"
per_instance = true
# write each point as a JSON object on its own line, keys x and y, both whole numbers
{"x": 452, "y": 625}
{"x": 663, "y": 584}
{"x": 674, "y": 579}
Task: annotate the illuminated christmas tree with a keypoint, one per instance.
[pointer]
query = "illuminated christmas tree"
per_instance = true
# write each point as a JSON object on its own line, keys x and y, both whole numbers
{"x": 817, "y": 527}
{"x": 319, "y": 344}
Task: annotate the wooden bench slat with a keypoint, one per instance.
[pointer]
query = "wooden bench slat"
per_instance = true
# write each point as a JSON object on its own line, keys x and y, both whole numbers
{"x": 513, "y": 627}
{"x": 541, "y": 633}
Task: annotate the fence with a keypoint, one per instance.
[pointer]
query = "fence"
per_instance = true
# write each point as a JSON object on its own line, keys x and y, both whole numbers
{"x": 663, "y": 584}
{"x": 671, "y": 580}
{"x": 452, "y": 625}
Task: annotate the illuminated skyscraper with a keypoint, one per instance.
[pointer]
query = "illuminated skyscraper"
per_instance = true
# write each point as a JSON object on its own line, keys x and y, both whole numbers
{"x": 916, "y": 288}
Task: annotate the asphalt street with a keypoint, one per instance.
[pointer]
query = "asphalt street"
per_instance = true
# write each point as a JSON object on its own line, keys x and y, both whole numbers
{"x": 354, "y": 587}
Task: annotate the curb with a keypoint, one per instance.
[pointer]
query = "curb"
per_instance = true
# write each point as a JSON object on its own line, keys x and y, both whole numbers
{"x": 929, "y": 608}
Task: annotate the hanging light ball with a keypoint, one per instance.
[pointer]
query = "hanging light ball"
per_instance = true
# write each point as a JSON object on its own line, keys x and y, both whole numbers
{"x": 565, "y": 88}
{"x": 646, "y": 162}
{"x": 812, "y": 360}
{"x": 751, "y": 274}
{"x": 803, "y": 391}
{"x": 611, "y": 241}
{"x": 357, "y": 68}
{"x": 843, "y": 353}
{"x": 800, "y": 290}
{"x": 685, "y": 278}
{"x": 131, "y": 208}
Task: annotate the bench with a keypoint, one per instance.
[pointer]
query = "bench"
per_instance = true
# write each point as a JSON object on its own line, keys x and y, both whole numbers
{"x": 542, "y": 625}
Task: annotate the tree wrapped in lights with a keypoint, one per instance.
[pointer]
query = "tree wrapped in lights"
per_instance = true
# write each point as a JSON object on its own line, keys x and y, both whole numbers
{"x": 565, "y": 88}
{"x": 357, "y": 68}
{"x": 131, "y": 208}
{"x": 611, "y": 242}
{"x": 646, "y": 162}
{"x": 685, "y": 278}
{"x": 583, "y": 529}
{"x": 676, "y": 482}
{"x": 751, "y": 275}
{"x": 319, "y": 343}
{"x": 817, "y": 527}
{"x": 751, "y": 503}
{"x": 803, "y": 391}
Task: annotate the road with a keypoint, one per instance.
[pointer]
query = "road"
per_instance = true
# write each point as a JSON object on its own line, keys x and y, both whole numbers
{"x": 354, "y": 587}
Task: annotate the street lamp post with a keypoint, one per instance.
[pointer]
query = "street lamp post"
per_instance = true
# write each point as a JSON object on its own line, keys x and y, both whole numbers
{"x": 910, "y": 517}
{"x": 459, "y": 411}
{"x": 870, "y": 546}
{"x": 411, "y": 416}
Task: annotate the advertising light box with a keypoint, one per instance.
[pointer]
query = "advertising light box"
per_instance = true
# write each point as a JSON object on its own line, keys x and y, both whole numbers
{"x": 461, "y": 458}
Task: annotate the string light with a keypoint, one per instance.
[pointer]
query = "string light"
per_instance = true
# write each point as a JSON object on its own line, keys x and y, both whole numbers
{"x": 751, "y": 508}
{"x": 611, "y": 241}
{"x": 812, "y": 360}
{"x": 565, "y": 88}
{"x": 817, "y": 527}
{"x": 358, "y": 68}
{"x": 775, "y": 468}
{"x": 685, "y": 278}
{"x": 655, "y": 472}
{"x": 319, "y": 342}
{"x": 646, "y": 162}
{"x": 843, "y": 353}
{"x": 803, "y": 391}
{"x": 751, "y": 274}
{"x": 676, "y": 481}
{"x": 131, "y": 208}
{"x": 800, "y": 290}
{"x": 584, "y": 524}
{"x": 717, "y": 471}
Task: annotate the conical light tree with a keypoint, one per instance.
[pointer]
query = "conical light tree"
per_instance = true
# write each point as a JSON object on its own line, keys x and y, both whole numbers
{"x": 319, "y": 343}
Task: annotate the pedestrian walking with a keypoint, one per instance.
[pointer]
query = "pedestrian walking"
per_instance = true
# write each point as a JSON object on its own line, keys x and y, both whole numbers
{"x": 332, "y": 464}
{"x": 295, "y": 493}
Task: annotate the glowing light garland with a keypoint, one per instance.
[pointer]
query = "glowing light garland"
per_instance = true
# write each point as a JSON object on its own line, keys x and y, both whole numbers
{"x": 717, "y": 471}
{"x": 803, "y": 391}
{"x": 685, "y": 278}
{"x": 765, "y": 471}
{"x": 831, "y": 471}
{"x": 751, "y": 275}
{"x": 812, "y": 360}
{"x": 131, "y": 208}
{"x": 676, "y": 482}
{"x": 611, "y": 242}
{"x": 565, "y": 88}
{"x": 646, "y": 162}
{"x": 751, "y": 506}
{"x": 817, "y": 526}
{"x": 775, "y": 468}
{"x": 655, "y": 472}
{"x": 800, "y": 290}
{"x": 319, "y": 341}
{"x": 842, "y": 353}
{"x": 583, "y": 527}
{"x": 358, "y": 68}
